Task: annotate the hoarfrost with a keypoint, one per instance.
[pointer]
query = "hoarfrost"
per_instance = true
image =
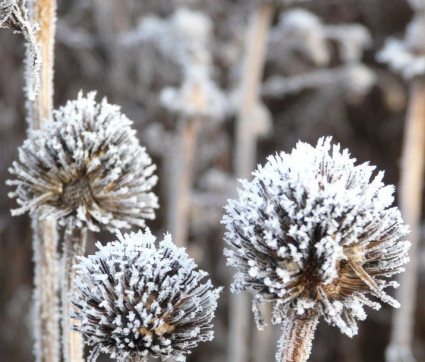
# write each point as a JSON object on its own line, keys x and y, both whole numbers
{"x": 14, "y": 15}
{"x": 86, "y": 168}
{"x": 312, "y": 233}
{"x": 134, "y": 299}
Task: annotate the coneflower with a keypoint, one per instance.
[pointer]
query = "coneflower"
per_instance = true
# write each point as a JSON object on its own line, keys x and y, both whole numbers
{"x": 134, "y": 300}
{"x": 315, "y": 235}
{"x": 87, "y": 170}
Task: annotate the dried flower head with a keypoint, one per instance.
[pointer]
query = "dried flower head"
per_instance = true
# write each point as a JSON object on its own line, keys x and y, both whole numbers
{"x": 86, "y": 168}
{"x": 315, "y": 235}
{"x": 135, "y": 300}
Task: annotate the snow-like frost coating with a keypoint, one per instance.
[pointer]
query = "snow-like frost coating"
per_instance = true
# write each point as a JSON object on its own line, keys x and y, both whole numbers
{"x": 135, "y": 300}
{"x": 14, "y": 15}
{"x": 87, "y": 169}
{"x": 315, "y": 233}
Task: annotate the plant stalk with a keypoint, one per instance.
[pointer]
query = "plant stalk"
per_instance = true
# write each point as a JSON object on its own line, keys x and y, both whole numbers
{"x": 245, "y": 159}
{"x": 46, "y": 332}
{"x": 75, "y": 240}
{"x": 297, "y": 338}
{"x": 181, "y": 183}
{"x": 410, "y": 194}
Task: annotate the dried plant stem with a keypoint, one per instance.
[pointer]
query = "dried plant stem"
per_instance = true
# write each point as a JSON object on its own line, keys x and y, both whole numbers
{"x": 44, "y": 13}
{"x": 246, "y": 135}
{"x": 245, "y": 159}
{"x": 182, "y": 180}
{"x": 297, "y": 337}
{"x": 411, "y": 185}
{"x": 47, "y": 346}
{"x": 47, "y": 337}
{"x": 74, "y": 246}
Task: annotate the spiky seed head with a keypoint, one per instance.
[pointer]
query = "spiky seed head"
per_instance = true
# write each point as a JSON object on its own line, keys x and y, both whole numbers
{"x": 135, "y": 300}
{"x": 87, "y": 169}
{"x": 314, "y": 233}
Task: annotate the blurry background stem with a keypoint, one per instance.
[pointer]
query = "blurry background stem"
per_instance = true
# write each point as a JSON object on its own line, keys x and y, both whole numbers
{"x": 182, "y": 178}
{"x": 74, "y": 246}
{"x": 245, "y": 160}
{"x": 46, "y": 331}
{"x": 410, "y": 194}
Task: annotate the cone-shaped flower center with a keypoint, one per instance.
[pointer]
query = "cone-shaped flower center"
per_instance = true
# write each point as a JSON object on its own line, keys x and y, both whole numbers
{"x": 78, "y": 193}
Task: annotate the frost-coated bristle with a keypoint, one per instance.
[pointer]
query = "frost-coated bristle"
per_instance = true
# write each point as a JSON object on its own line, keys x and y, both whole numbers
{"x": 315, "y": 233}
{"x": 87, "y": 169}
{"x": 135, "y": 300}
{"x": 14, "y": 15}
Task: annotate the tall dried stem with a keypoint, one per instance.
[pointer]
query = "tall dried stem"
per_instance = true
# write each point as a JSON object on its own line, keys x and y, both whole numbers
{"x": 411, "y": 185}
{"x": 47, "y": 345}
{"x": 245, "y": 158}
{"x": 181, "y": 184}
{"x": 74, "y": 246}
{"x": 297, "y": 337}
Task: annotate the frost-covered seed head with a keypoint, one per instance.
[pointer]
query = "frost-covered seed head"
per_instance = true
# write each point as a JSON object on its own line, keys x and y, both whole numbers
{"x": 86, "y": 168}
{"x": 315, "y": 233}
{"x": 135, "y": 300}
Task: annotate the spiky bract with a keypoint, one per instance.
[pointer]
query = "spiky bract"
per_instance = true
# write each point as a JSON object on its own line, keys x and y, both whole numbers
{"x": 135, "y": 300}
{"x": 87, "y": 169}
{"x": 312, "y": 232}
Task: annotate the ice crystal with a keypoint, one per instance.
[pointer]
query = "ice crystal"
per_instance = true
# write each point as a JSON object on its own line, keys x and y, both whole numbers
{"x": 134, "y": 300}
{"x": 314, "y": 233}
{"x": 87, "y": 169}
{"x": 407, "y": 56}
{"x": 14, "y": 15}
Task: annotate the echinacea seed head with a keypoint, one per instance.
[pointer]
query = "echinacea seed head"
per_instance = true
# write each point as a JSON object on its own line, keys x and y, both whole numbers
{"x": 315, "y": 234}
{"x": 86, "y": 168}
{"x": 134, "y": 300}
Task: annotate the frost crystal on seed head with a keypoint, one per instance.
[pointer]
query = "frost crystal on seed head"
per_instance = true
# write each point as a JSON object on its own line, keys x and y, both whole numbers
{"x": 86, "y": 168}
{"x": 315, "y": 233}
{"x": 134, "y": 300}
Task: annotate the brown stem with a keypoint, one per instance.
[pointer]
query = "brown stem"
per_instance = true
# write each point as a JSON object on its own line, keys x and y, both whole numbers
{"x": 410, "y": 193}
{"x": 297, "y": 337}
{"x": 74, "y": 246}
{"x": 181, "y": 183}
{"x": 245, "y": 158}
{"x": 46, "y": 333}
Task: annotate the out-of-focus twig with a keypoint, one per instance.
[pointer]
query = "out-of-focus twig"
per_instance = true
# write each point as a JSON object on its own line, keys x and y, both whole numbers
{"x": 245, "y": 158}
{"x": 411, "y": 185}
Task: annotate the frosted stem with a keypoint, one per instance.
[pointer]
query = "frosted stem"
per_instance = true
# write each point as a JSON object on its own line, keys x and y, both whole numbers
{"x": 245, "y": 157}
{"x": 411, "y": 184}
{"x": 46, "y": 333}
{"x": 297, "y": 337}
{"x": 182, "y": 180}
{"x": 74, "y": 246}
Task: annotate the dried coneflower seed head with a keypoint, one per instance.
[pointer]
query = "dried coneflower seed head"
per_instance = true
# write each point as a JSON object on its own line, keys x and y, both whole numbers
{"x": 314, "y": 234}
{"x": 135, "y": 300}
{"x": 86, "y": 168}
